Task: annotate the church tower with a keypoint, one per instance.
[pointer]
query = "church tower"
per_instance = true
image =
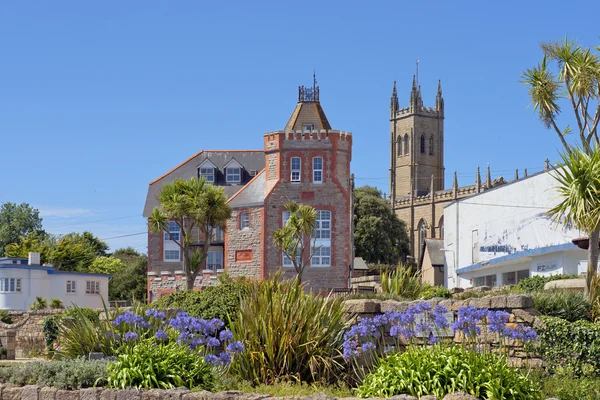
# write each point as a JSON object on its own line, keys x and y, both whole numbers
{"x": 416, "y": 145}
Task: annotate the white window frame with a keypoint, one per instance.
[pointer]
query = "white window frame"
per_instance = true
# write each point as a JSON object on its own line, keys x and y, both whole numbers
{"x": 295, "y": 173}
{"x": 244, "y": 220}
{"x": 174, "y": 229}
{"x": 208, "y": 173}
{"x": 317, "y": 178}
{"x": 321, "y": 256}
{"x": 233, "y": 174}
{"x": 71, "y": 287}
{"x": 323, "y": 225}
{"x": 92, "y": 287}
{"x": 10, "y": 285}
{"x": 307, "y": 128}
{"x": 171, "y": 259}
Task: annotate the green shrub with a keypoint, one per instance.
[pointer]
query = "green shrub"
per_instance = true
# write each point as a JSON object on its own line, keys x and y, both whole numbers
{"x": 51, "y": 323}
{"x": 440, "y": 370}
{"x": 496, "y": 292}
{"x": 5, "y": 317}
{"x": 63, "y": 374}
{"x": 221, "y": 301}
{"x": 164, "y": 366}
{"x": 537, "y": 282}
{"x": 575, "y": 345}
{"x": 565, "y": 386}
{"x": 572, "y": 306}
{"x": 56, "y": 303}
{"x": 439, "y": 291}
{"x": 40, "y": 303}
{"x": 288, "y": 334}
{"x": 405, "y": 283}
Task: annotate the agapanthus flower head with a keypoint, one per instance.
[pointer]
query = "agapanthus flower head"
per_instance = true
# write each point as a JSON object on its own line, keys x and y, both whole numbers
{"x": 212, "y": 359}
{"x": 497, "y": 321}
{"x": 389, "y": 349}
{"x": 130, "y": 337}
{"x": 235, "y": 347}
{"x": 225, "y": 358}
{"x": 161, "y": 335}
{"x": 213, "y": 342}
{"x": 226, "y": 335}
{"x": 432, "y": 339}
{"x": 130, "y": 319}
{"x": 368, "y": 346}
{"x": 424, "y": 307}
{"x": 349, "y": 349}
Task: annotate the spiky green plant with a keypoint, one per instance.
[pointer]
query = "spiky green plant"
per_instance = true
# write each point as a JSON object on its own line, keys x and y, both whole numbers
{"x": 40, "y": 303}
{"x": 404, "y": 283}
{"x": 288, "y": 334}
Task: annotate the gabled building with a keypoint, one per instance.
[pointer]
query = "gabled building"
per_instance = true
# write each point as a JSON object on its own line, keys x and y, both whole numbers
{"x": 307, "y": 162}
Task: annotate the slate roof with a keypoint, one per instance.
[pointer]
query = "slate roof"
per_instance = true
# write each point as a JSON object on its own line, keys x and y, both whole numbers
{"x": 253, "y": 194}
{"x": 434, "y": 248}
{"x": 250, "y": 160}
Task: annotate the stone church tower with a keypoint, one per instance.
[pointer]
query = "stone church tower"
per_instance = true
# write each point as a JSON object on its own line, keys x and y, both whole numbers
{"x": 417, "y": 145}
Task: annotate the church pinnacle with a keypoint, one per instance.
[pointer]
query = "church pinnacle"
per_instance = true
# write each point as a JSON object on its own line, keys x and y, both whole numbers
{"x": 394, "y": 105}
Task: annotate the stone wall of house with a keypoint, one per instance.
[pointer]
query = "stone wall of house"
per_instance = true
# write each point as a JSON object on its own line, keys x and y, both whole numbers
{"x": 519, "y": 307}
{"x": 28, "y": 332}
{"x": 244, "y": 248}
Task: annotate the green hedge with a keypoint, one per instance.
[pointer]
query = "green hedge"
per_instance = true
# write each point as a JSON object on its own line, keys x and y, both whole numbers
{"x": 537, "y": 282}
{"x": 221, "y": 301}
{"x": 574, "y": 345}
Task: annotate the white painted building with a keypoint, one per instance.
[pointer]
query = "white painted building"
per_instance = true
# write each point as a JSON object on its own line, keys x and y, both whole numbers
{"x": 503, "y": 235}
{"x": 22, "y": 280}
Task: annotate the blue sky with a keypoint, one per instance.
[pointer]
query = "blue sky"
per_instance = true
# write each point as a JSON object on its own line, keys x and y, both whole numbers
{"x": 99, "y": 98}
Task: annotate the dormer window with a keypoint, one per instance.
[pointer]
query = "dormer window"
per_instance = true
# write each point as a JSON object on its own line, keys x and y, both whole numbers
{"x": 233, "y": 174}
{"x": 207, "y": 170}
{"x": 208, "y": 173}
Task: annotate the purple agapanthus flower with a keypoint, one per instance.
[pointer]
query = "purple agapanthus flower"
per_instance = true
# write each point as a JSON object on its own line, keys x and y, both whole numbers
{"x": 235, "y": 347}
{"x": 130, "y": 337}
{"x": 226, "y": 335}
{"x": 213, "y": 342}
{"x": 161, "y": 335}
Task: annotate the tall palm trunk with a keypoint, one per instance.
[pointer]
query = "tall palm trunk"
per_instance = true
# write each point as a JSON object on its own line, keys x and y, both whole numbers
{"x": 593, "y": 252}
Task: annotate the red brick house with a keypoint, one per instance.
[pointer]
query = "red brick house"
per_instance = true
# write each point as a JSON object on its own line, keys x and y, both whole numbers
{"x": 307, "y": 162}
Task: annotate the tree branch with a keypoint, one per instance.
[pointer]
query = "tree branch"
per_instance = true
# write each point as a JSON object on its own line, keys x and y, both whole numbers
{"x": 575, "y": 109}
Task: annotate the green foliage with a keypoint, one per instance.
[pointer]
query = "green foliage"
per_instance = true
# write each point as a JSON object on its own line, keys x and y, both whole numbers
{"x": 35, "y": 241}
{"x": 471, "y": 294}
{"x": 76, "y": 251}
{"x": 288, "y": 334}
{"x": 17, "y": 221}
{"x": 130, "y": 282}
{"x": 106, "y": 265}
{"x": 221, "y": 301}
{"x": 440, "y": 370}
{"x": 537, "y": 282}
{"x": 5, "y": 317}
{"x": 405, "y": 283}
{"x": 40, "y": 303}
{"x": 164, "y": 366}
{"x": 568, "y": 305}
{"x": 440, "y": 291}
{"x": 575, "y": 345}
{"x": 56, "y": 303}
{"x": 379, "y": 236}
{"x": 61, "y": 374}
{"x": 51, "y": 323}
{"x": 565, "y": 386}
{"x": 290, "y": 238}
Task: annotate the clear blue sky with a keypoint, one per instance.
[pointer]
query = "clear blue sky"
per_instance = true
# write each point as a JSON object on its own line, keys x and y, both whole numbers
{"x": 99, "y": 98}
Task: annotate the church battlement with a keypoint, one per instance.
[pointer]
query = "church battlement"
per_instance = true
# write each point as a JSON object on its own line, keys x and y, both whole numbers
{"x": 298, "y": 134}
{"x": 421, "y": 110}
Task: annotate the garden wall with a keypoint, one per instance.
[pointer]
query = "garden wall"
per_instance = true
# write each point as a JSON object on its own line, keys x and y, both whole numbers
{"x": 28, "y": 331}
{"x": 519, "y": 306}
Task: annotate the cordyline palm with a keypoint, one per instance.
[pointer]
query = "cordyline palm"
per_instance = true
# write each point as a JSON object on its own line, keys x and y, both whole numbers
{"x": 196, "y": 207}
{"x": 291, "y": 238}
{"x": 579, "y": 191}
{"x": 575, "y": 81}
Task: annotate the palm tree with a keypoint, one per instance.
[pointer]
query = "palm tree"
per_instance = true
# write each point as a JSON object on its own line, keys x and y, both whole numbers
{"x": 294, "y": 238}
{"x": 578, "y": 179}
{"x": 191, "y": 204}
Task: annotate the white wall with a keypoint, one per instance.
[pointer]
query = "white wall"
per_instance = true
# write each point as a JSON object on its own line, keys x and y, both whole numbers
{"x": 506, "y": 220}
{"x": 39, "y": 282}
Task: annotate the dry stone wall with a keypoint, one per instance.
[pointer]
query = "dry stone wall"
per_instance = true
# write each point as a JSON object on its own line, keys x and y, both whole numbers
{"x": 28, "y": 332}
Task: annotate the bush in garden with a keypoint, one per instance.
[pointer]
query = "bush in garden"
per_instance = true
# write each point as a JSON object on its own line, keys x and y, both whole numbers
{"x": 288, "y": 334}
{"x": 62, "y": 374}
{"x": 163, "y": 365}
{"x": 221, "y": 301}
{"x": 40, "y": 303}
{"x": 364, "y": 342}
{"x": 569, "y": 305}
{"x": 537, "y": 282}
{"x": 51, "y": 323}
{"x": 440, "y": 370}
{"x": 56, "y": 303}
{"x": 574, "y": 345}
{"x": 405, "y": 283}
{"x": 439, "y": 291}
{"x": 565, "y": 386}
{"x": 5, "y": 317}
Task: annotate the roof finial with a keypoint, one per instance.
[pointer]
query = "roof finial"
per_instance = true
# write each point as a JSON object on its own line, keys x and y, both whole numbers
{"x": 547, "y": 166}
{"x": 417, "y": 70}
{"x": 455, "y": 186}
{"x": 439, "y": 92}
{"x": 414, "y": 86}
{"x": 394, "y": 106}
{"x": 478, "y": 180}
{"x": 517, "y": 174}
{"x": 525, "y": 173}
{"x": 488, "y": 177}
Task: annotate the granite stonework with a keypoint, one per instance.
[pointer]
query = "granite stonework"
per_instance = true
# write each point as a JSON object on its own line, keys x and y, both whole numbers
{"x": 33, "y": 392}
{"x": 518, "y": 306}
{"x": 25, "y": 336}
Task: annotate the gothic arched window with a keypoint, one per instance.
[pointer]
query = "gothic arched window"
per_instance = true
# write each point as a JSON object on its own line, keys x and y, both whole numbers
{"x": 422, "y": 230}
{"x": 406, "y": 144}
{"x": 399, "y": 144}
{"x": 431, "y": 145}
{"x": 422, "y": 144}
